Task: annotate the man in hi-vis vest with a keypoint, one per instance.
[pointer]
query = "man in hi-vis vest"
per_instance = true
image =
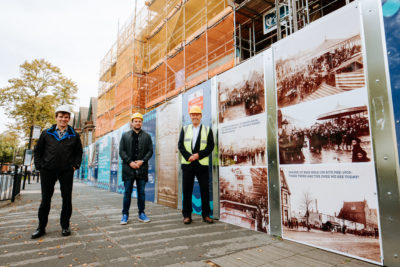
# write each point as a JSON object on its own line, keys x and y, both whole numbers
{"x": 196, "y": 143}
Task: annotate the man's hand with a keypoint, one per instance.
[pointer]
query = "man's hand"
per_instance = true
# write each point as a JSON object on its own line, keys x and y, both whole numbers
{"x": 194, "y": 157}
{"x": 139, "y": 163}
{"x": 133, "y": 165}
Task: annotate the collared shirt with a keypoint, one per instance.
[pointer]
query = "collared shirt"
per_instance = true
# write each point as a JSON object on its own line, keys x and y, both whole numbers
{"x": 196, "y": 131}
{"x": 61, "y": 132}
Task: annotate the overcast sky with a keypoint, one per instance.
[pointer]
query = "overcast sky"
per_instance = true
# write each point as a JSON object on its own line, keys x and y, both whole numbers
{"x": 73, "y": 35}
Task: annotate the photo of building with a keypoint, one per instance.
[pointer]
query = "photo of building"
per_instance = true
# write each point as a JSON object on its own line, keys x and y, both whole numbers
{"x": 244, "y": 197}
{"x": 335, "y": 211}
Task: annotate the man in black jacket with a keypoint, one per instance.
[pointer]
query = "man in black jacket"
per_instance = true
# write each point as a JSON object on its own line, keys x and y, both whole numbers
{"x": 135, "y": 150}
{"x": 57, "y": 154}
{"x": 196, "y": 142}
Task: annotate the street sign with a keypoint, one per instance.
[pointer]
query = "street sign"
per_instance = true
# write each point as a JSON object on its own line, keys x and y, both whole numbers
{"x": 36, "y": 132}
{"x": 28, "y": 157}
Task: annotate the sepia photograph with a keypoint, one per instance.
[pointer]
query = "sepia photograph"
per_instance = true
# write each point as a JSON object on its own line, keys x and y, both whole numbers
{"x": 244, "y": 197}
{"x": 310, "y": 66}
{"x": 241, "y": 90}
{"x": 333, "y": 129}
{"x": 243, "y": 143}
{"x": 333, "y": 208}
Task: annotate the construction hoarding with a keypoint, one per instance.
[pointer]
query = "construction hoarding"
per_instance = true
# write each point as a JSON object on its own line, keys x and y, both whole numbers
{"x": 243, "y": 179}
{"x": 167, "y": 152}
{"x": 328, "y": 184}
{"x": 149, "y": 126}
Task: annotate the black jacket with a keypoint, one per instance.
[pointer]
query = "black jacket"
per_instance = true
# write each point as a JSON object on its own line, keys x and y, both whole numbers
{"x": 145, "y": 152}
{"x": 202, "y": 153}
{"x": 53, "y": 153}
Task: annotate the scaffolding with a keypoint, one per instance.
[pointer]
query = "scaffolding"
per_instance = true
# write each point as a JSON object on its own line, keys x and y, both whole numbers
{"x": 169, "y": 46}
{"x": 251, "y": 16}
{"x": 164, "y": 49}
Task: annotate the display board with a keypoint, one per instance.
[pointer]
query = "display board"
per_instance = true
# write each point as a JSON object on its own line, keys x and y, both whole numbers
{"x": 328, "y": 184}
{"x": 242, "y": 138}
{"x": 83, "y": 175}
{"x": 149, "y": 126}
{"x": 104, "y": 148}
{"x": 115, "y": 137}
{"x": 93, "y": 163}
{"x": 391, "y": 18}
{"x": 199, "y": 96}
{"x": 121, "y": 188}
{"x": 168, "y": 128}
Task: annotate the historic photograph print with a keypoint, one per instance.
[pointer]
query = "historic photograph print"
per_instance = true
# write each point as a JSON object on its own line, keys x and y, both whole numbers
{"x": 311, "y": 66}
{"x": 241, "y": 90}
{"x": 244, "y": 197}
{"x": 243, "y": 143}
{"x": 333, "y": 129}
{"x": 332, "y": 208}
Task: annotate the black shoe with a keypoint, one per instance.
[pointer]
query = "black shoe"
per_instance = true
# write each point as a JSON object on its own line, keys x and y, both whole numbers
{"x": 208, "y": 220}
{"x": 187, "y": 220}
{"x": 66, "y": 232}
{"x": 38, "y": 233}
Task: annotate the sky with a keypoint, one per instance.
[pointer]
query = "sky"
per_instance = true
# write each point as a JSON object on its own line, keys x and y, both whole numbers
{"x": 73, "y": 35}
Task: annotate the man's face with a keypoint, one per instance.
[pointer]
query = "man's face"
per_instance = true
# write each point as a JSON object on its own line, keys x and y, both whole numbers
{"x": 62, "y": 119}
{"x": 137, "y": 124}
{"x": 196, "y": 118}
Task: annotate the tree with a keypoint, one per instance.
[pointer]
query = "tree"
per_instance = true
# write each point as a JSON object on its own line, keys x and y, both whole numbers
{"x": 306, "y": 202}
{"x": 32, "y": 98}
{"x": 9, "y": 149}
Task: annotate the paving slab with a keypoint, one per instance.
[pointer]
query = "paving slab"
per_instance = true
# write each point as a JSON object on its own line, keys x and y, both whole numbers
{"x": 99, "y": 240}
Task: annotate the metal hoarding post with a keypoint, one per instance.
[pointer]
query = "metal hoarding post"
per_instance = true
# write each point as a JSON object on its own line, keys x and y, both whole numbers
{"x": 178, "y": 155}
{"x": 382, "y": 128}
{"x": 215, "y": 165}
{"x": 273, "y": 173}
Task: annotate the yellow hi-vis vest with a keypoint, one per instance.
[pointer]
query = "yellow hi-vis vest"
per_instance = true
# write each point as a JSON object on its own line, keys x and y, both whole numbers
{"x": 188, "y": 130}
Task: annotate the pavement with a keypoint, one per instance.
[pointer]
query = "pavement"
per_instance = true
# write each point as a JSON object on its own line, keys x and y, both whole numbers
{"x": 99, "y": 240}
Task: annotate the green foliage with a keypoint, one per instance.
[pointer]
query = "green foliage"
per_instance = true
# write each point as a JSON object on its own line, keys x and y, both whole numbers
{"x": 32, "y": 98}
{"x": 9, "y": 142}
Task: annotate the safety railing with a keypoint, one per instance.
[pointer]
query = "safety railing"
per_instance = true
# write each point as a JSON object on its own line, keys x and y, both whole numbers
{"x": 10, "y": 182}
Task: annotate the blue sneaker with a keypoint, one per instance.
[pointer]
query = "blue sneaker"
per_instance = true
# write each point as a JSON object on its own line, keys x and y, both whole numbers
{"x": 143, "y": 218}
{"x": 124, "y": 219}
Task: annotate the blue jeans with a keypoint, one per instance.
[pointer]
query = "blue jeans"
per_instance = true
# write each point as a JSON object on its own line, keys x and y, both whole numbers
{"x": 140, "y": 185}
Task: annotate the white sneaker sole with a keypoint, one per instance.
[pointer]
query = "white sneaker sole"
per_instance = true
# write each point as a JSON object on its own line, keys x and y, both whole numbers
{"x": 123, "y": 223}
{"x": 143, "y": 221}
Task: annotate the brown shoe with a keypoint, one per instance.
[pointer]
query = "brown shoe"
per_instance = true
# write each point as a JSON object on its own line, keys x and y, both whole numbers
{"x": 207, "y": 219}
{"x": 187, "y": 220}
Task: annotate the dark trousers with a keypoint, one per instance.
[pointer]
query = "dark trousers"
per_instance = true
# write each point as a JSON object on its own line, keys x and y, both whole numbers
{"x": 48, "y": 181}
{"x": 201, "y": 172}
{"x": 126, "y": 203}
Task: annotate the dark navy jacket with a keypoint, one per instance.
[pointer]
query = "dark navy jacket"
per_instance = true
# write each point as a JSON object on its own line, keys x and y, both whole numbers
{"x": 53, "y": 153}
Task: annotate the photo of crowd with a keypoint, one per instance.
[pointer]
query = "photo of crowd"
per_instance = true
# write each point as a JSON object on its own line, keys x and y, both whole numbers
{"x": 315, "y": 67}
{"x": 244, "y": 197}
{"x": 245, "y": 145}
{"x": 338, "y": 214}
{"x": 241, "y": 91}
{"x": 336, "y": 134}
